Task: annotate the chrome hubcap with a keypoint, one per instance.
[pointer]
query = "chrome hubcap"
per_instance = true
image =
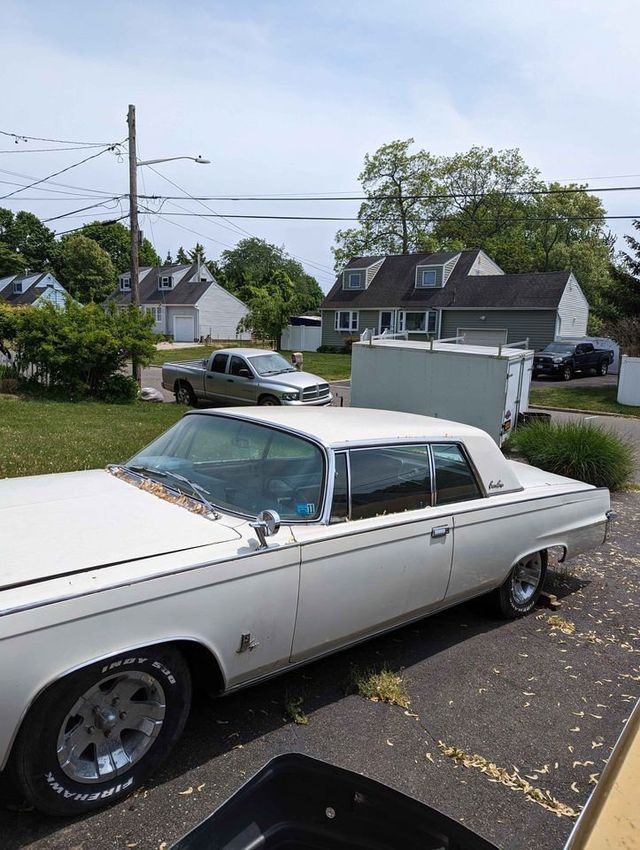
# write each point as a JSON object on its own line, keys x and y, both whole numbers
{"x": 183, "y": 396}
{"x": 111, "y": 727}
{"x": 526, "y": 578}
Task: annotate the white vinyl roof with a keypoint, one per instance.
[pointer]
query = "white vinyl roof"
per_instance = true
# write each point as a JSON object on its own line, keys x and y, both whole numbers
{"x": 449, "y": 347}
{"x": 335, "y": 426}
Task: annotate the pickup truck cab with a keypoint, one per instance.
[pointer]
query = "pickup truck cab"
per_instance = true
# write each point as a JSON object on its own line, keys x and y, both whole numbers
{"x": 241, "y": 376}
{"x": 239, "y": 544}
{"x": 565, "y": 359}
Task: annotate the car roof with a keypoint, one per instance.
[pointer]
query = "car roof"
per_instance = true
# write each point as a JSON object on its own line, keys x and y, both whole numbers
{"x": 245, "y": 352}
{"x": 338, "y": 426}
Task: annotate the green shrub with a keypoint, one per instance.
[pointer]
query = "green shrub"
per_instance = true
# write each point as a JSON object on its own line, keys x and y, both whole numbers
{"x": 79, "y": 351}
{"x": 118, "y": 389}
{"x": 577, "y": 450}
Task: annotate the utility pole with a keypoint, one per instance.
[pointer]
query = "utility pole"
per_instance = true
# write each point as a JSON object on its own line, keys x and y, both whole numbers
{"x": 133, "y": 221}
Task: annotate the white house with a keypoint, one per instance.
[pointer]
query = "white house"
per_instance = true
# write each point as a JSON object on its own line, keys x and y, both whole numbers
{"x": 32, "y": 288}
{"x": 186, "y": 302}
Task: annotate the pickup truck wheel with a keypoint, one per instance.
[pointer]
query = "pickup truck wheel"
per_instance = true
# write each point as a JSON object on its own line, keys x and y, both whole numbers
{"x": 185, "y": 395}
{"x": 269, "y": 400}
{"x": 519, "y": 593}
{"x": 567, "y": 373}
{"x": 603, "y": 368}
{"x": 94, "y": 736}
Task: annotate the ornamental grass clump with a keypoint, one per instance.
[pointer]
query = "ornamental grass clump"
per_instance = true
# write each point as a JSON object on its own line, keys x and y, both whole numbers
{"x": 577, "y": 450}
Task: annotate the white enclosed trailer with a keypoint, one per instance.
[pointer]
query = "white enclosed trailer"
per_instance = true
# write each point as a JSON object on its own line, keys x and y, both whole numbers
{"x": 482, "y": 385}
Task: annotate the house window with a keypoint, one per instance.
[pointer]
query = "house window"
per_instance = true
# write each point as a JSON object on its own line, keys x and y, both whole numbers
{"x": 164, "y": 282}
{"x": 426, "y": 322}
{"x": 156, "y": 312}
{"x": 428, "y": 277}
{"x": 386, "y": 321}
{"x": 17, "y": 288}
{"x": 354, "y": 280}
{"x": 125, "y": 284}
{"x": 346, "y": 320}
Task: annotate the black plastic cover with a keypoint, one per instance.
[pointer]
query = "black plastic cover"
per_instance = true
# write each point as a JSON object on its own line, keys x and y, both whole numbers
{"x": 299, "y": 803}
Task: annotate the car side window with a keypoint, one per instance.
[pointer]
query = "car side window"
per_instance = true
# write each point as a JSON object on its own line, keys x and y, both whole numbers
{"x": 389, "y": 480}
{"x": 238, "y": 366}
{"x": 340, "y": 501}
{"x": 219, "y": 363}
{"x": 455, "y": 481}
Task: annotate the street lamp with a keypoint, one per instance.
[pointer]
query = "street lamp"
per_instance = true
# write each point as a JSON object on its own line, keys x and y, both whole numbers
{"x": 134, "y": 164}
{"x": 199, "y": 159}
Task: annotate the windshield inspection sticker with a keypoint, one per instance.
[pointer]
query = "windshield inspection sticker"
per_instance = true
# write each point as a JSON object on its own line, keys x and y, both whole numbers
{"x": 306, "y": 509}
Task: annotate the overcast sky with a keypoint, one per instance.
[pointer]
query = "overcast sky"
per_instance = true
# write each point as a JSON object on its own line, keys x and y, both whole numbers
{"x": 288, "y": 96}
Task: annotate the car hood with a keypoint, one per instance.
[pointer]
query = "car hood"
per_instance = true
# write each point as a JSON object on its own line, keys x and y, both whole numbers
{"x": 52, "y": 525}
{"x": 295, "y": 380}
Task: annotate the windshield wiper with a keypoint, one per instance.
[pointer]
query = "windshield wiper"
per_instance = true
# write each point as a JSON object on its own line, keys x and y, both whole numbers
{"x": 163, "y": 473}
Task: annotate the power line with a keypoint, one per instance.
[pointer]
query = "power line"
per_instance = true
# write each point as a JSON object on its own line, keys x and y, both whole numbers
{"x": 75, "y": 229}
{"x": 226, "y": 218}
{"x": 50, "y": 150}
{"x": 428, "y": 197}
{"x": 23, "y": 137}
{"x": 56, "y": 173}
{"x": 81, "y": 209}
{"x": 506, "y": 219}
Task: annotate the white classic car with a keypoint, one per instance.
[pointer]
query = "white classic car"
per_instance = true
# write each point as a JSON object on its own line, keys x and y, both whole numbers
{"x": 239, "y": 544}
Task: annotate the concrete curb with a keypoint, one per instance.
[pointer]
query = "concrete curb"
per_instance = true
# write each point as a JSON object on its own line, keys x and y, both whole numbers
{"x": 581, "y": 410}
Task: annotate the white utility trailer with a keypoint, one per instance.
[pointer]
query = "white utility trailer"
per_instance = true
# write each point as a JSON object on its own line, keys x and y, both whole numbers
{"x": 482, "y": 385}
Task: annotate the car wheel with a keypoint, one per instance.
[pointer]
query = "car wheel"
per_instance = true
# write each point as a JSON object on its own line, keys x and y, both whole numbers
{"x": 94, "y": 736}
{"x": 185, "y": 395}
{"x": 603, "y": 369}
{"x": 567, "y": 373}
{"x": 269, "y": 400}
{"x": 519, "y": 593}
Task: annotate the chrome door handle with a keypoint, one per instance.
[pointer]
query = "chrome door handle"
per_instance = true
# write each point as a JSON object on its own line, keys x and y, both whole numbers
{"x": 440, "y": 531}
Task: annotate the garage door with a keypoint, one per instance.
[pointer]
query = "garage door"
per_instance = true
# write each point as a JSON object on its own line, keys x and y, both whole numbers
{"x": 183, "y": 329}
{"x": 483, "y": 336}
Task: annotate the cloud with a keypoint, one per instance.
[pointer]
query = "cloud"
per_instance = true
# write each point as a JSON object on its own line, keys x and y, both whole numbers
{"x": 288, "y": 97}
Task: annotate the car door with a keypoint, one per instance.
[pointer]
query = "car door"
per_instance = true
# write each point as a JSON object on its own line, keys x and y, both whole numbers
{"x": 389, "y": 562}
{"x": 215, "y": 383}
{"x": 583, "y": 356}
{"x": 241, "y": 381}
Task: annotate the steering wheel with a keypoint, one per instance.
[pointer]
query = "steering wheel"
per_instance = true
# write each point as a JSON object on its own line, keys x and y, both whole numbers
{"x": 279, "y": 489}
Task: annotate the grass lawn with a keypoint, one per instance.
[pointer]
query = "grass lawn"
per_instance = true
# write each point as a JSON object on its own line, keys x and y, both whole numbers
{"x": 599, "y": 399}
{"x": 45, "y": 436}
{"x": 331, "y": 367}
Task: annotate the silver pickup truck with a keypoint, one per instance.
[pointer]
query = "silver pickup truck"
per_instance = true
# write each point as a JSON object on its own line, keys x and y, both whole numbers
{"x": 244, "y": 376}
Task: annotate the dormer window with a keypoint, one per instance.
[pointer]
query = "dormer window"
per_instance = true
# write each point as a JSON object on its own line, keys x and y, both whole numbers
{"x": 427, "y": 278}
{"x": 354, "y": 280}
{"x": 125, "y": 284}
{"x": 17, "y": 287}
{"x": 164, "y": 281}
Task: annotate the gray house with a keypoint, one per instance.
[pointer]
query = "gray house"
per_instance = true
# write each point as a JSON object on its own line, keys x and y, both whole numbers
{"x": 186, "y": 302}
{"x": 32, "y": 288}
{"x": 452, "y": 293}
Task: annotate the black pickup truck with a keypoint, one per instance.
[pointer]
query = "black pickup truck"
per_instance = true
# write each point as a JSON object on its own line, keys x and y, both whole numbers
{"x": 564, "y": 359}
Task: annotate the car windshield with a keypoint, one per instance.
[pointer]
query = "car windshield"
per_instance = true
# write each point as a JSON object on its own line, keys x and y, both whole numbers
{"x": 239, "y": 466}
{"x": 559, "y": 348}
{"x": 270, "y": 364}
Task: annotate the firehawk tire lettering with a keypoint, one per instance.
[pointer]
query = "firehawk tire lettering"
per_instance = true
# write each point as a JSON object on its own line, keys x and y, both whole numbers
{"x": 46, "y": 781}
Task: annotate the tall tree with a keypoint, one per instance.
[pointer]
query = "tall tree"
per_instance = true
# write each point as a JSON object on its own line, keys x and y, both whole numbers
{"x": 24, "y": 234}
{"x": 252, "y": 264}
{"x": 197, "y": 254}
{"x": 270, "y": 306}
{"x": 85, "y": 269}
{"x": 181, "y": 256}
{"x": 396, "y": 217}
{"x": 114, "y": 238}
{"x": 10, "y": 261}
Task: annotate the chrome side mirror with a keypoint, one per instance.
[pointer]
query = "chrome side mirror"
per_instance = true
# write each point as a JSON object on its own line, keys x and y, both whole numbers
{"x": 266, "y": 524}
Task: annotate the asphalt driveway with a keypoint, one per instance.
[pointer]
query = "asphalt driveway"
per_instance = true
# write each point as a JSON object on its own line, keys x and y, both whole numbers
{"x": 522, "y": 694}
